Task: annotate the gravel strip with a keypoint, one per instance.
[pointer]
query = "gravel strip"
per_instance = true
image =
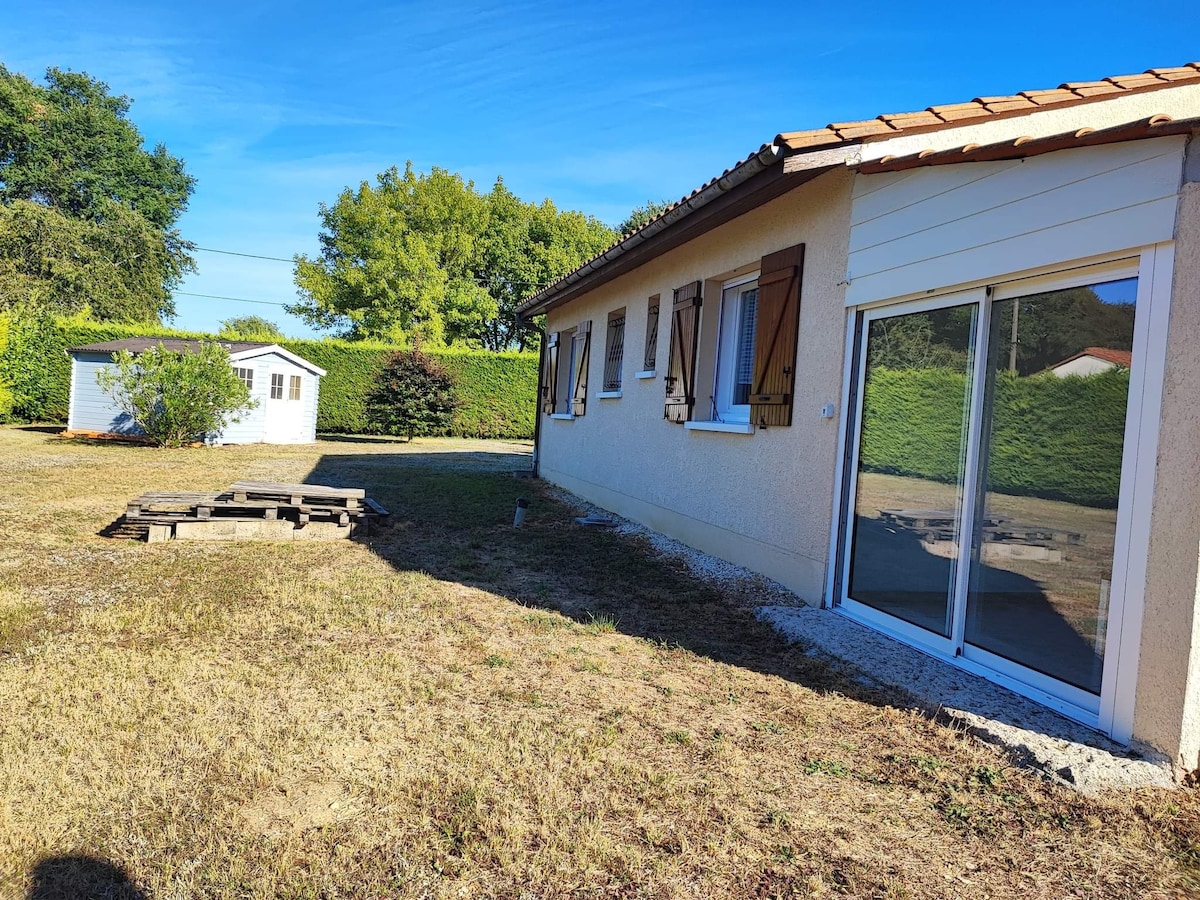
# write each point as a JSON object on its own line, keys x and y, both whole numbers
{"x": 1034, "y": 736}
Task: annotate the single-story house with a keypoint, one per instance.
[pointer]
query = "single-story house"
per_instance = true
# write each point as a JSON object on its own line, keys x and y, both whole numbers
{"x": 285, "y": 385}
{"x": 1092, "y": 361}
{"x": 823, "y": 365}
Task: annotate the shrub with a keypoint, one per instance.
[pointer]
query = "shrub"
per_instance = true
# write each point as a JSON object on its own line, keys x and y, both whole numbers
{"x": 413, "y": 395}
{"x": 175, "y": 398}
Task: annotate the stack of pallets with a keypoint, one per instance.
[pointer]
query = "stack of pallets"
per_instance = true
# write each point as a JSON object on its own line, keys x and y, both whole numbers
{"x": 289, "y": 507}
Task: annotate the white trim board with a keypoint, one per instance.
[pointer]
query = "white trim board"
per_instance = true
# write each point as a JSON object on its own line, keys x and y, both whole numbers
{"x": 954, "y": 225}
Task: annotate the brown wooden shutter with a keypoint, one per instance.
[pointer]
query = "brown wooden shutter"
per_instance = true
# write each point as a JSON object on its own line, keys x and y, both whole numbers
{"x": 550, "y": 374}
{"x": 582, "y": 348}
{"x": 681, "y": 368}
{"x": 775, "y": 337}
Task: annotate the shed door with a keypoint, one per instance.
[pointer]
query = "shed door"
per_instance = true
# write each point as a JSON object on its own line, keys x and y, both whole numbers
{"x": 287, "y": 393}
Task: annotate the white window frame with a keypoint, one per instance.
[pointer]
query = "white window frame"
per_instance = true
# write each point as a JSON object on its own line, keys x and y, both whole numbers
{"x": 295, "y": 386}
{"x": 246, "y": 375}
{"x": 566, "y": 380}
{"x": 276, "y": 386}
{"x": 729, "y": 315}
{"x": 1111, "y": 713}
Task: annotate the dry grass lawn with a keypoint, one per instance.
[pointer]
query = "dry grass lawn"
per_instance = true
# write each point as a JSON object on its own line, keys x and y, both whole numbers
{"x": 458, "y": 709}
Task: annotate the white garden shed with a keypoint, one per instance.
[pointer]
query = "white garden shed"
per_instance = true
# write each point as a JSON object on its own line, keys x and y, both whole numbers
{"x": 285, "y": 385}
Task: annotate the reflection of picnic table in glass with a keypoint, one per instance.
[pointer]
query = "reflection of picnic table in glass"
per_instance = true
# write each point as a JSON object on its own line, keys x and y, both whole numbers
{"x": 942, "y": 525}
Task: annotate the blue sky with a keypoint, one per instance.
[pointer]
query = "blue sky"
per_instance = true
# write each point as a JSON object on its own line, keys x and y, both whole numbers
{"x": 276, "y": 107}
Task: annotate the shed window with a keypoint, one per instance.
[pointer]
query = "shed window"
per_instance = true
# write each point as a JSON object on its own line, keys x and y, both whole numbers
{"x": 276, "y": 387}
{"x": 294, "y": 387}
{"x": 614, "y": 350}
{"x": 247, "y": 377}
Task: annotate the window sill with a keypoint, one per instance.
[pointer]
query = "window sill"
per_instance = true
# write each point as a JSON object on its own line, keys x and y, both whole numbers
{"x": 646, "y": 374}
{"x": 727, "y": 427}
{"x": 608, "y": 395}
{"x": 566, "y": 417}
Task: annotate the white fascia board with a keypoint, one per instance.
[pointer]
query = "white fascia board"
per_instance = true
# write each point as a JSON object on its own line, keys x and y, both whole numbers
{"x": 253, "y": 352}
{"x": 1181, "y": 101}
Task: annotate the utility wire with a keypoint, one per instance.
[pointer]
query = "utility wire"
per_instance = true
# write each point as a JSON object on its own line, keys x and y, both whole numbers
{"x": 247, "y": 255}
{"x": 236, "y": 299}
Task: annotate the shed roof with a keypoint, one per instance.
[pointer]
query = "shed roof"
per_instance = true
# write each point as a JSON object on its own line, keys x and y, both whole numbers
{"x": 1123, "y": 358}
{"x": 179, "y": 345}
{"x": 824, "y": 148}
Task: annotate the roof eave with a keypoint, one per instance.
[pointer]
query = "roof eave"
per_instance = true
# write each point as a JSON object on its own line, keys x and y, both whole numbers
{"x": 595, "y": 270}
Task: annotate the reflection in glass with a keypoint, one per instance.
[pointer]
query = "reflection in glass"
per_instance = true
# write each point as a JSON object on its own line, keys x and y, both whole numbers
{"x": 912, "y": 448}
{"x": 1053, "y": 434}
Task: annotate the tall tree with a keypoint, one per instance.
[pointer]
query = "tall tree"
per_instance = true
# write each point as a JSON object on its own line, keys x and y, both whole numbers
{"x": 428, "y": 257}
{"x": 70, "y": 149}
{"x": 641, "y": 215}
{"x": 249, "y": 328}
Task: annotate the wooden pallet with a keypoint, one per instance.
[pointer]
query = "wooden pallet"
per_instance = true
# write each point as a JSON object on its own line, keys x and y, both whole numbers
{"x": 258, "y": 501}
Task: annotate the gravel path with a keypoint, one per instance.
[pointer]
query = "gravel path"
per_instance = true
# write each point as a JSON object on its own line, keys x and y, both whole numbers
{"x": 1035, "y": 736}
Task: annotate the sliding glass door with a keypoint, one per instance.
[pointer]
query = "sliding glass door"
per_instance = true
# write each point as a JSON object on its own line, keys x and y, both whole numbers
{"x": 987, "y": 453}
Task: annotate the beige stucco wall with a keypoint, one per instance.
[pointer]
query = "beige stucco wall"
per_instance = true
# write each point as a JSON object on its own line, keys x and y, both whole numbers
{"x": 762, "y": 500}
{"x": 1167, "y": 702}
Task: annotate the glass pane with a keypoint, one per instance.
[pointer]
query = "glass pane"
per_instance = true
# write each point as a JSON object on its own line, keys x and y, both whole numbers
{"x": 1052, "y": 444}
{"x": 912, "y": 450}
{"x": 744, "y": 361}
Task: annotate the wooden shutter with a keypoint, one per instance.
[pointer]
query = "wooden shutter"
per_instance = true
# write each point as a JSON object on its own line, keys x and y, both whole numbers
{"x": 651, "y": 334}
{"x": 775, "y": 337}
{"x": 681, "y": 368}
{"x": 550, "y": 373}
{"x": 582, "y": 348}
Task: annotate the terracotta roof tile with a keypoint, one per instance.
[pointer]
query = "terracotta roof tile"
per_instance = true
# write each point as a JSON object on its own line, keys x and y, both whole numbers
{"x": 1045, "y": 98}
{"x": 912, "y": 119}
{"x": 1134, "y": 81}
{"x": 949, "y": 113}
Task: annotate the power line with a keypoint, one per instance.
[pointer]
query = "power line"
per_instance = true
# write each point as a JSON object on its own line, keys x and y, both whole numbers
{"x": 247, "y": 255}
{"x": 236, "y": 299}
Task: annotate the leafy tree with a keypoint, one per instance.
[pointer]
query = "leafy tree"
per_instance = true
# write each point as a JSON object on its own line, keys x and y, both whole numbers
{"x": 106, "y": 202}
{"x": 177, "y": 397}
{"x": 117, "y": 269}
{"x": 526, "y": 247}
{"x": 641, "y": 215}
{"x": 249, "y": 328}
{"x": 414, "y": 395}
{"x": 426, "y": 257}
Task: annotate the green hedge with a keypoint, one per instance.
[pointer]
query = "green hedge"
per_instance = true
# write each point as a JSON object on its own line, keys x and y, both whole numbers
{"x": 1058, "y": 438}
{"x": 497, "y": 391}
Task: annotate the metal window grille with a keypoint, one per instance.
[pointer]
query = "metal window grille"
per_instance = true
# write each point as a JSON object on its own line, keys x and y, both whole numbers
{"x": 614, "y": 351}
{"x": 651, "y": 337}
{"x": 247, "y": 376}
{"x": 276, "y": 387}
{"x": 294, "y": 387}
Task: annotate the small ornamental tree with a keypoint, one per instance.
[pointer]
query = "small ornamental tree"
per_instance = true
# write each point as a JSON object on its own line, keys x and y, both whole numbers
{"x": 413, "y": 395}
{"x": 176, "y": 398}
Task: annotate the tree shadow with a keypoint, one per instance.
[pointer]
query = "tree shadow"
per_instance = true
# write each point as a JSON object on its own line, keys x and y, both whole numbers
{"x": 81, "y": 877}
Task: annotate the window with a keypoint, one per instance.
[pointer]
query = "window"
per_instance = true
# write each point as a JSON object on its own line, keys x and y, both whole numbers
{"x": 649, "y": 357}
{"x": 566, "y": 372}
{"x": 614, "y": 350}
{"x": 276, "y": 387}
{"x": 743, "y": 344}
{"x": 247, "y": 377}
{"x": 735, "y": 350}
{"x": 294, "y": 387}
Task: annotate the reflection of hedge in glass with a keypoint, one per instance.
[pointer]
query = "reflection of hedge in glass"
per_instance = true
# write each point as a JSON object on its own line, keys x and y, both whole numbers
{"x": 1056, "y": 438}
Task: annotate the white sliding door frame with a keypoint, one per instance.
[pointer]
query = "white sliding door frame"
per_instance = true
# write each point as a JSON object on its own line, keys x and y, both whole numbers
{"x": 1112, "y": 710}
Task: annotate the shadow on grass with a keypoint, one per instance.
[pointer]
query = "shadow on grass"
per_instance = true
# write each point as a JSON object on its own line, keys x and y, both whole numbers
{"x": 457, "y": 526}
{"x": 81, "y": 878}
